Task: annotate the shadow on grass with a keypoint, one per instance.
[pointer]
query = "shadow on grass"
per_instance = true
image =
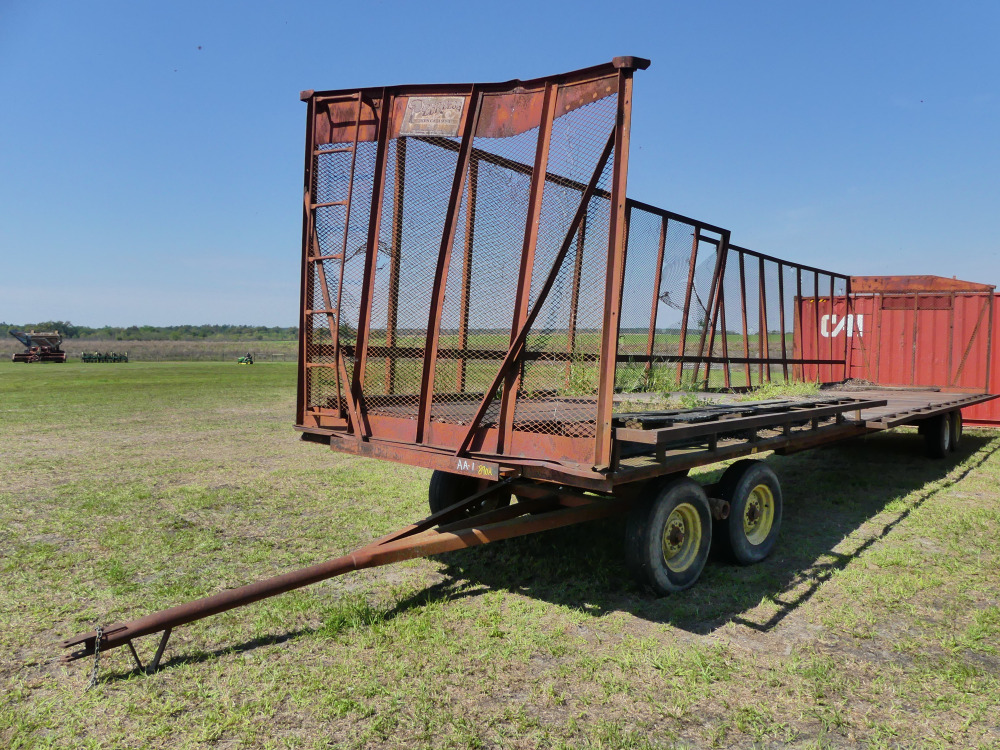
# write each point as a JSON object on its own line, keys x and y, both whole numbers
{"x": 830, "y": 493}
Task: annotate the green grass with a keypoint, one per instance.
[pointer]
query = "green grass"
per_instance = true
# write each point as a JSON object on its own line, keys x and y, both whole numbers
{"x": 124, "y": 489}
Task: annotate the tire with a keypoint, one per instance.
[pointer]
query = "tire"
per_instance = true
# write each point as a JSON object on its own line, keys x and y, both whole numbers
{"x": 668, "y": 537}
{"x": 750, "y": 532}
{"x": 937, "y": 436}
{"x": 955, "y": 429}
{"x": 447, "y": 489}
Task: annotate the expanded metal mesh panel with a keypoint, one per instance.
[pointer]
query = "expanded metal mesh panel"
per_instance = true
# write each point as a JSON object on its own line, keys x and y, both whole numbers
{"x": 485, "y": 259}
{"x": 418, "y": 183}
{"x": 667, "y": 300}
{"x": 559, "y": 376}
{"x": 438, "y": 221}
{"x": 558, "y": 387}
{"x": 467, "y": 323}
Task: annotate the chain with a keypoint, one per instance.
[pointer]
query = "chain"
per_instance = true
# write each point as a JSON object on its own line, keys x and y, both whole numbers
{"x": 97, "y": 657}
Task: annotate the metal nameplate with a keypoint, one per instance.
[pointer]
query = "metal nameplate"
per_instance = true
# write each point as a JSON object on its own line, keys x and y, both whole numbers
{"x": 432, "y": 115}
{"x": 481, "y": 469}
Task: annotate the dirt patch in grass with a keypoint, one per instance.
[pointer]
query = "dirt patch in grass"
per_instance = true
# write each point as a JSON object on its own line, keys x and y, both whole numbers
{"x": 874, "y": 624}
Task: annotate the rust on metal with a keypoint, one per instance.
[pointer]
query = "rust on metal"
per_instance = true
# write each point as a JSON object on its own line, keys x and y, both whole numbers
{"x": 477, "y": 242}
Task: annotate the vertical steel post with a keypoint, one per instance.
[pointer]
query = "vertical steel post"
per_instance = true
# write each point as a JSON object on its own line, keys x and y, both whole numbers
{"x": 798, "y": 326}
{"x": 712, "y": 312}
{"x": 371, "y": 254}
{"x": 913, "y": 355}
{"x": 832, "y": 327}
{"x": 657, "y": 280}
{"x": 746, "y": 332}
{"x": 764, "y": 349}
{"x": 395, "y": 260}
{"x": 781, "y": 319}
{"x": 470, "y": 230}
{"x": 819, "y": 367}
{"x": 726, "y": 375}
{"x": 615, "y": 273}
{"x": 305, "y": 323}
{"x": 508, "y": 400}
{"x": 468, "y": 129}
{"x": 682, "y": 345}
{"x": 709, "y": 317}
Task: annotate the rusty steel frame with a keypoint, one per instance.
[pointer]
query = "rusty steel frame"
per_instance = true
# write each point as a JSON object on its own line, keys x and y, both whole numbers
{"x": 448, "y": 530}
{"x": 548, "y": 472}
{"x": 506, "y": 437}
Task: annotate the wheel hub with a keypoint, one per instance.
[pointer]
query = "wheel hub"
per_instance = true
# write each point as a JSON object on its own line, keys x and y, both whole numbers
{"x": 675, "y": 536}
{"x": 681, "y": 537}
{"x": 758, "y": 514}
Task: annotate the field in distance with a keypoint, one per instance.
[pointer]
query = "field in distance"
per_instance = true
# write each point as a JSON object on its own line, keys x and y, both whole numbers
{"x": 174, "y": 351}
{"x": 126, "y": 489}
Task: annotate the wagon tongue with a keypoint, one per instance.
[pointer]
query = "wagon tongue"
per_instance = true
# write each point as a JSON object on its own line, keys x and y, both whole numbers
{"x": 449, "y": 529}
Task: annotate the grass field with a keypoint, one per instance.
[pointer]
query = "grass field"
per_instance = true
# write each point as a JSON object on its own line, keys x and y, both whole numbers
{"x": 125, "y": 489}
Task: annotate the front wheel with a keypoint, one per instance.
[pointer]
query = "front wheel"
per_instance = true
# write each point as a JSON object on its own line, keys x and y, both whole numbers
{"x": 668, "y": 537}
{"x": 749, "y": 533}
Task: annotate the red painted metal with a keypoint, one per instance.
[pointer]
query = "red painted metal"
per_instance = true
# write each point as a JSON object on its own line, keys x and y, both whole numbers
{"x": 489, "y": 178}
{"x": 922, "y": 331}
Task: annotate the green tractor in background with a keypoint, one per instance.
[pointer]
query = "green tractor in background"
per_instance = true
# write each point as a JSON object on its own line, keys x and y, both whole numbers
{"x": 246, "y": 360}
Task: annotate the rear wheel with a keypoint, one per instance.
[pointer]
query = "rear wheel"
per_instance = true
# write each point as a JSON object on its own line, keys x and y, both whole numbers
{"x": 753, "y": 492}
{"x": 447, "y": 489}
{"x": 937, "y": 436}
{"x": 955, "y": 425}
{"x": 668, "y": 536}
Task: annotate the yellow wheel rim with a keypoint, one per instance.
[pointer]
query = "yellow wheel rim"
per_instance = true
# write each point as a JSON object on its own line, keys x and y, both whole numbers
{"x": 681, "y": 537}
{"x": 758, "y": 514}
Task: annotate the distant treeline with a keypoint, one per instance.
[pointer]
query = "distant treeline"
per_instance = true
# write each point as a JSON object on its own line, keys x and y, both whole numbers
{"x": 158, "y": 333}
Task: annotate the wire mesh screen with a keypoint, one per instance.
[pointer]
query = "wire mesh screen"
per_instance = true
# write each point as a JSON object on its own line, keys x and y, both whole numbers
{"x": 698, "y": 313}
{"x": 477, "y": 317}
{"x": 430, "y": 252}
{"x": 557, "y": 388}
{"x": 459, "y": 246}
{"x": 760, "y": 312}
{"x": 419, "y": 176}
{"x": 667, "y": 302}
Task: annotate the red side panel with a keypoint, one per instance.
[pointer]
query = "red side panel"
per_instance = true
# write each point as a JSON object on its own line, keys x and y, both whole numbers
{"x": 901, "y": 335}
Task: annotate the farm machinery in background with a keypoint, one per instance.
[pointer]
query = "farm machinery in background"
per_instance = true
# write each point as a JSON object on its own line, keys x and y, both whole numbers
{"x": 39, "y": 347}
{"x": 104, "y": 357}
{"x": 247, "y": 360}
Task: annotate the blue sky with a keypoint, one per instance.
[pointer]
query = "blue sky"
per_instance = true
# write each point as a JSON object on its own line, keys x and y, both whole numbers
{"x": 151, "y": 153}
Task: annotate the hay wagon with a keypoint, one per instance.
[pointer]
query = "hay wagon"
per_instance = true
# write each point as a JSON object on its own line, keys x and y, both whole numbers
{"x": 481, "y": 298}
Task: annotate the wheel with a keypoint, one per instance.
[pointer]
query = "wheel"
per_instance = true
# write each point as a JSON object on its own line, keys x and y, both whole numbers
{"x": 750, "y": 531}
{"x": 447, "y": 489}
{"x": 937, "y": 436}
{"x": 668, "y": 536}
{"x": 955, "y": 429}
